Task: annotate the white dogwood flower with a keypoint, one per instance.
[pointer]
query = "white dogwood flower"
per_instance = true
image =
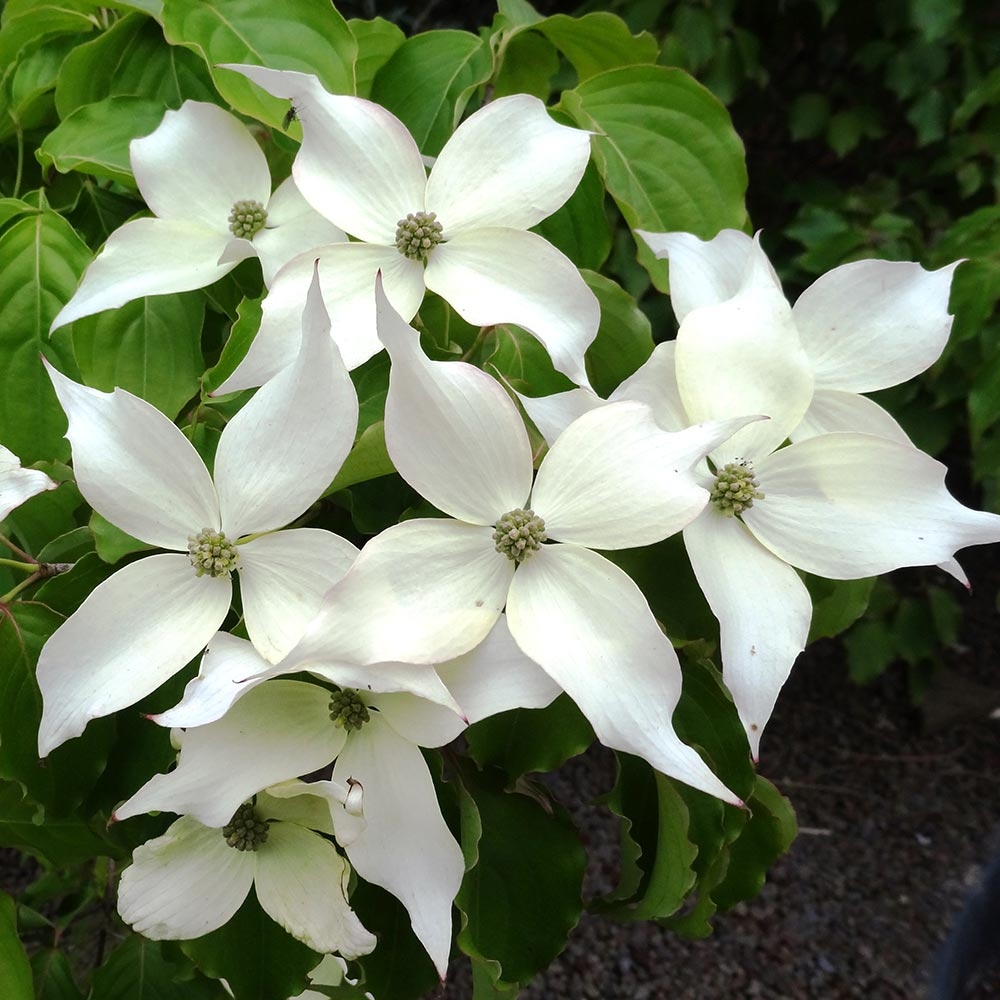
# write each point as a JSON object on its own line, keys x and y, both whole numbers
{"x": 135, "y": 467}
{"x": 17, "y": 484}
{"x": 208, "y": 185}
{"x": 194, "y": 878}
{"x": 612, "y": 480}
{"x": 461, "y": 232}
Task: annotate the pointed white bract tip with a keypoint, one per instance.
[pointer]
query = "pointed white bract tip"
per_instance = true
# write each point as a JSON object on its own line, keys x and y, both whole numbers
{"x": 354, "y": 801}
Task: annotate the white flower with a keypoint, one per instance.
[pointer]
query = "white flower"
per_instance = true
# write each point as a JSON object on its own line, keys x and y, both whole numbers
{"x": 275, "y": 457}
{"x": 505, "y": 169}
{"x": 191, "y": 880}
{"x": 840, "y": 505}
{"x": 208, "y": 185}
{"x": 17, "y": 484}
{"x": 428, "y": 590}
{"x": 863, "y": 326}
{"x": 277, "y": 730}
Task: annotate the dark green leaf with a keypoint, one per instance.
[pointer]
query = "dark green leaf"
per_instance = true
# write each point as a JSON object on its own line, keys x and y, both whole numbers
{"x": 53, "y": 976}
{"x": 138, "y": 970}
{"x": 580, "y": 228}
{"x": 597, "y": 42}
{"x": 15, "y": 972}
{"x": 428, "y": 81}
{"x": 67, "y": 591}
{"x": 624, "y": 341}
{"x": 240, "y": 338}
{"x": 377, "y": 40}
{"x": 837, "y": 604}
{"x": 529, "y": 64}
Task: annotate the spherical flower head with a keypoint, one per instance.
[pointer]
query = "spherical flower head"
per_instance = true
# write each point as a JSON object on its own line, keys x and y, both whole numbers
{"x": 347, "y": 710}
{"x": 418, "y": 234}
{"x": 247, "y": 218}
{"x": 212, "y": 553}
{"x": 519, "y": 534}
{"x": 735, "y": 488}
{"x": 245, "y": 832}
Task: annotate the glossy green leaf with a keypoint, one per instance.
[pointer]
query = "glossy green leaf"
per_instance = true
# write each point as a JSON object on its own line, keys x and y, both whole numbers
{"x": 30, "y": 87}
{"x": 138, "y": 969}
{"x": 624, "y": 340}
{"x": 238, "y": 343}
{"x": 522, "y": 898}
{"x": 309, "y": 36}
{"x": 15, "y": 971}
{"x": 521, "y": 360}
{"x": 530, "y": 62}
{"x": 67, "y": 841}
{"x": 667, "y": 151}
{"x": 150, "y": 346}
{"x": 41, "y": 260}
{"x": 377, "y": 40}
{"x": 428, "y": 81}
{"x": 530, "y": 739}
{"x": 111, "y": 542}
{"x": 95, "y": 138}
{"x": 656, "y": 852}
{"x": 27, "y": 23}
{"x": 580, "y": 228}
{"x": 598, "y": 41}
{"x": 70, "y": 771}
{"x": 131, "y": 58}
{"x": 53, "y": 976}
{"x": 258, "y": 959}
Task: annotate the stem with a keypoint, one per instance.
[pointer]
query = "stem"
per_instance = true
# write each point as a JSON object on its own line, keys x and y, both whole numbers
{"x": 14, "y": 591}
{"x": 480, "y": 337}
{"x": 26, "y": 567}
{"x": 13, "y": 548}
{"x": 20, "y": 164}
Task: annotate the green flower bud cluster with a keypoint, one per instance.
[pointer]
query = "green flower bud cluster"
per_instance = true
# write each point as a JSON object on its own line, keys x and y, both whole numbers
{"x": 212, "y": 553}
{"x": 347, "y": 710}
{"x": 735, "y": 488}
{"x": 418, "y": 234}
{"x": 519, "y": 533}
{"x": 245, "y": 832}
{"x": 247, "y": 218}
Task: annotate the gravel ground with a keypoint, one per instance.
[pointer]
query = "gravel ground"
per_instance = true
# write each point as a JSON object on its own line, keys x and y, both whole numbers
{"x": 895, "y": 824}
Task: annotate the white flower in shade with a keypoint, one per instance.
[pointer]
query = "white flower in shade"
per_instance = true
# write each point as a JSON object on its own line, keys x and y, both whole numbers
{"x": 274, "y": 459}
{"x": 863, "y": 326}
{"x": 612, "y": 480}
{"x": 461, "y": 232}
{"x": 17, "y": 484}
{"x": 251, "y": 735}
{"x": 208, "y": 185}
{"x": 194, "y": 878}
{"x": 841, "y": 505}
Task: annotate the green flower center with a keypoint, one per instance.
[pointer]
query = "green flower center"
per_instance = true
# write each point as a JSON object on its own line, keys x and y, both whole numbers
{"x": 735, "y": 488}
{"x": 418, "y": 234}
{"x": 347, "y": 710}
{"x": 519, "y": 533}
{"x": 247, "y": 218}
{"x": 212, "y": 553}
{"x": 245, "y": 832}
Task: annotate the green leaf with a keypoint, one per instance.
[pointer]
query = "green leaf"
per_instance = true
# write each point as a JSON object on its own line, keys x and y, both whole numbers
{"x": 377, "y": 40}
{"x": 111, "y": 542}
{"x": 597, "y": 42}
{"x": 580, "y": 228}
{"x": 259, "y": 959}
{"x": 138, "y": 970}
{"x": 530, "y": 739}
{"x": 368, "y": 459}
{"x": 808, "y": 116}
{"x": 837, "y": 604}
{"x": 522, "y": 361}
{"x": 67, "y": 591}
{"x": 41, "y": 260}
{"x": 31, "y": 104}
{"x": 428, "y": 81}
{"x": 94, "y": 139}
{"x": 767, "y": 835}
{"x": 15, "y": 971}
{"x": 529, "y": 64}
{"x": 523, "y": 896}
{"x": 67, "y": 841}
{"x": 70, "y": 771}
{"x": 624, "y": 341}
{"x": 667, "y": 151}
{"x": 309, "y": 36}
{"x": 656, "y": 852}
{"x": 27, "y": 23}
{"x": 241, "y": 336}
{"x": 150, "y": 346}
{"x": 871, "y": 646}
{"x": 131, "y": 58}
{"x": 53, "y": 976}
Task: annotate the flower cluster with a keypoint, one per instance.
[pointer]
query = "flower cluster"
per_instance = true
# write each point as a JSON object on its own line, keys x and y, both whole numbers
{"x": 506, "y": 599}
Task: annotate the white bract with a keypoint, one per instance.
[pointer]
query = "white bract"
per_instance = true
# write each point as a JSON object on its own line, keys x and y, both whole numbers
{"x": 612, "y": 480}
{"x": 842, "y": 505}
{"x": 460, "y": 232}
{"x": 194, "y": 878}
{"x": 208, "y": 185}
{"x": 17, "y": 484}
{"x": 863, "y": 326}
{"x": 274, "y": 459}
